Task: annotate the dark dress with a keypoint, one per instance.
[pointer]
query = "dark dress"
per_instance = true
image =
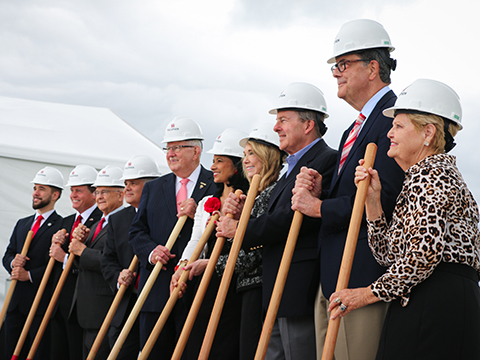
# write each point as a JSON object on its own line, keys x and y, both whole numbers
{"x": 226, "y": 342}
{"x": 249, "y": 285}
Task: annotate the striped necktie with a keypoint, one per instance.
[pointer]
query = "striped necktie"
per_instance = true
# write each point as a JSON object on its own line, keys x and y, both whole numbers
{"x": 182, "y": 193}
{"x": 351, "y": 140}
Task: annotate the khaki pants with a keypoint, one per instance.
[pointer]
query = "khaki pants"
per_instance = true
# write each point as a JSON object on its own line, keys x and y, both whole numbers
{"x": 359, "y": 331}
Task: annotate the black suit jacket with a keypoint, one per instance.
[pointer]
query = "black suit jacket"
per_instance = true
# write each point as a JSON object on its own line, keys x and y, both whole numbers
{"x": 92, "y": 296}
{"x": 117, "y": 255}
{"x": 25, "y": 291}
{"x": 155, "y": 219}
{"x": 64, "y": 302}
{"x": 271, "y": 230}
{"x": 337, "y": 207}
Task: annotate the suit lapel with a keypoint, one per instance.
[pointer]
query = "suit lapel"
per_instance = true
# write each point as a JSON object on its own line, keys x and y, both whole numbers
{"x": 102, "y": 233}
{"x": 47, "y": 224}
{"x": 169, "y": 194}
{"x": 201, "y": 186}
{"x": 369, "y": 124}
{"x": 305, "y": 160}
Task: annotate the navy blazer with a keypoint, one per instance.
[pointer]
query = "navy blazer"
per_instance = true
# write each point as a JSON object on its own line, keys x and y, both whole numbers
{"x": 271, "y": 230}
{"x": 155, "y": 220}
{"x": 117, "y": 255}
{"x": 337, "y": 207}
{"x": 92, "y": 296}
{"x": 25, "y": 291}
{"x": 64, "y": 302}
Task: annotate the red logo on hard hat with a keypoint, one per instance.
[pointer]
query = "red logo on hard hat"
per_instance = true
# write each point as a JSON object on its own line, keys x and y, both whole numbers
{"x": 73, "y": 172}
{"x": 173, "y": 125}
{"x": 129, "y": 163}
{"x": 41, "y": 172}
{"x": 103, "y": 172}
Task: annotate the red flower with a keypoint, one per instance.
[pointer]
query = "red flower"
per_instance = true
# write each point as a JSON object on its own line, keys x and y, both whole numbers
{"x": 212, "y": 204}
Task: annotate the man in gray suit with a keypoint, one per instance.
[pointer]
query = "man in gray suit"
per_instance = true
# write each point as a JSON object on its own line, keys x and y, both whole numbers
{"x": 93, "y": 297}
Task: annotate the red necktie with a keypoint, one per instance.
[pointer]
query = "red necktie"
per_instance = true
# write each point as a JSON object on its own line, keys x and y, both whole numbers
{"x": 36, "y": 226}
{"x": 75, "y": 224}
{"x": 98, "y": 229}
{"x": 182, "y": 193}
{"x": 351, "y": 140}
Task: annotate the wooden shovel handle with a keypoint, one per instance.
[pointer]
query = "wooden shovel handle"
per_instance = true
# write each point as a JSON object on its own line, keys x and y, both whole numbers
{"x": 145, "y": 291}
{"x": 349, "y": 251}
{"x": 13, "y": 284}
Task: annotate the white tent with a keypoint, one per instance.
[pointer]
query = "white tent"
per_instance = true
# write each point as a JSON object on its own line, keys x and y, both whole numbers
{"x": 35, "y": 134}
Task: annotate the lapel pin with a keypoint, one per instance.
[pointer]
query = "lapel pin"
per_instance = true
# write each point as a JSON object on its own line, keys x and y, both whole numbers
{"x": 202, "y": 184}
{"x": 49, "y": 224}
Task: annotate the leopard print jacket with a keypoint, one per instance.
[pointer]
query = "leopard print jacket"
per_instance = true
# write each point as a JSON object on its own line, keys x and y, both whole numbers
{"x": 435, "y": 219}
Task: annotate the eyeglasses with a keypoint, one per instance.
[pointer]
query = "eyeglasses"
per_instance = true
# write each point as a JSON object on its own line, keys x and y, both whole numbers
{"x": 176, "y": 148}
{"x": 104, "y": 192}
{"x": 342, "y": 65}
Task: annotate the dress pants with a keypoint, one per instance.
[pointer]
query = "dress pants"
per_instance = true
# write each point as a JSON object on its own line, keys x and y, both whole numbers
{"x": 359, "y": 331}
{"x": 66, "y": 338}
{"x": 14, "y": 323}
{"x": 293, "y": 338}
{"x": 89, "y": 336}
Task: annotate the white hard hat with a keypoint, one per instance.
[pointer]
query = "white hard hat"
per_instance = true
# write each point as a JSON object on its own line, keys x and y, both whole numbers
{"x": 82, "y": 175}
{"x": 429, "y": 96}
{"x": 49, "y": 176}
{"x": 301, "y": 96}
{"x": 140, "y": 166}
{"x": 109, "y": 176}
{"x": 263, "y": 132}
{"x": 358, "y": 35}
{"x": 182, "y": 128}
{"x": 228, "y": 143}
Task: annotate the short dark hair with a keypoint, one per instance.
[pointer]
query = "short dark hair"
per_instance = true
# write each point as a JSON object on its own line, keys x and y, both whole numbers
{"x": 385, "y": 62}
{"x": 318, "y": 119}
{"x": 57, "y": 189}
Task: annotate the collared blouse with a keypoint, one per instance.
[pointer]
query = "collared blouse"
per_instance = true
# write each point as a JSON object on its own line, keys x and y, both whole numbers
{"x": 435, "y": 220}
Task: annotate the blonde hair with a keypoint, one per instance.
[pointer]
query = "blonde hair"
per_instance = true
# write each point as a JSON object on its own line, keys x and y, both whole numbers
{"x": 438, "y": 141}
{"x": 272, "y": 160}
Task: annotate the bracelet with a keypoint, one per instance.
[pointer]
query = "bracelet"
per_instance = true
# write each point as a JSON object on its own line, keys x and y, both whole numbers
{"x": 181, "y": 263}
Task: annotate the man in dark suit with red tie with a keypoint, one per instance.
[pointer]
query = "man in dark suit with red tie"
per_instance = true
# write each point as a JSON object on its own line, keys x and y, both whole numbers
{"x": 28, "y": 270}
{"x": 93, "y": 297}
{"x": 66, "y": 332}
{"x": 362, "y": 67}
{"x": 160, "y": 207}
{"x": 118, "y": 253}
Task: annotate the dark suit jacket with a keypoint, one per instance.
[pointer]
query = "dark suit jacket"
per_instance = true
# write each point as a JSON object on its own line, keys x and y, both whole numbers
{"x": 155, "y": 219}
{"x": 38, "y": 253}
{"x": 92, "y": 296}
{"x": 271, "y": 230}
{"x": 117, "y": 255}
{"x": 64, "y": 303}
{"x": 337, "y": 207}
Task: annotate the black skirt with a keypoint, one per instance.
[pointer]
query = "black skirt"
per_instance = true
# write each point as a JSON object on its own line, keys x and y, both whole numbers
{"x": 441, "y": 320}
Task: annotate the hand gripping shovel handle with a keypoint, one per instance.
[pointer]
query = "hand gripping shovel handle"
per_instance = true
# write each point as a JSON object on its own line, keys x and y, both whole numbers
{"x": 11, "y": 289}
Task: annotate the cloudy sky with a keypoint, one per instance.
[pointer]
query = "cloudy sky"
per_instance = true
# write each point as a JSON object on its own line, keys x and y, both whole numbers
{"x": 224, "y": 62}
